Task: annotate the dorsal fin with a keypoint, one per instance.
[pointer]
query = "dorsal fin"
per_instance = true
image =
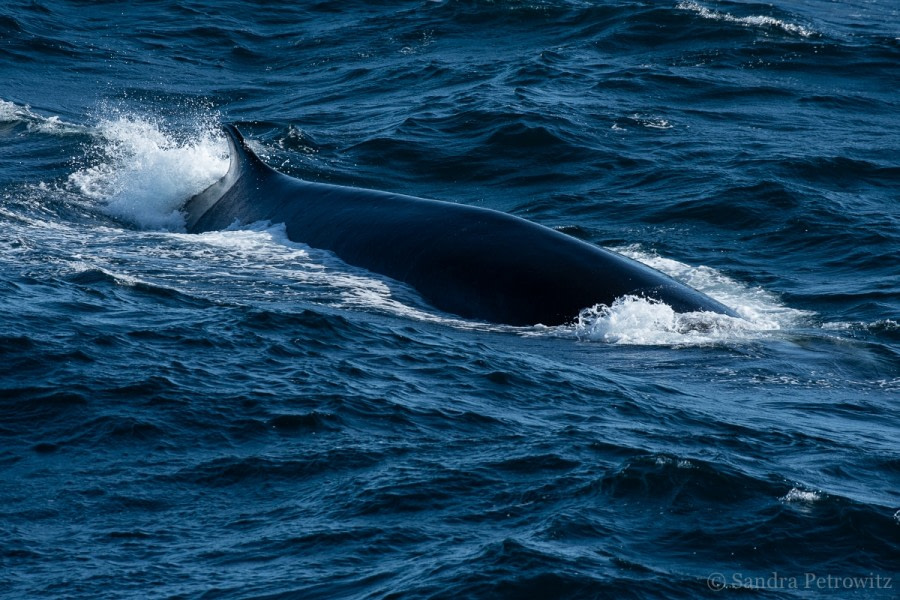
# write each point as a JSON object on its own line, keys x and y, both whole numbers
{"x": 244, "y": 162}
{"x": 238, "y": 147}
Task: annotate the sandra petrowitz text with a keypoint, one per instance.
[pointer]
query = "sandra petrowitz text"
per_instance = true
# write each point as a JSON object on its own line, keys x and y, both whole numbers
{"x": 806, "y": 581}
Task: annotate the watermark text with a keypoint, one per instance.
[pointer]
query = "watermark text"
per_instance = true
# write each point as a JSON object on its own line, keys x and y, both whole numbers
{"x": 805, "y": 581}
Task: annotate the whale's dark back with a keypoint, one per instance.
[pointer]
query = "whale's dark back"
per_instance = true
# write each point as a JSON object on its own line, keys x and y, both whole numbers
{"x": 473, "y": 262}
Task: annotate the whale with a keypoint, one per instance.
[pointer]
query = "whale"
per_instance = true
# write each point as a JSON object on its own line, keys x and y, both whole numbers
{"x": 473, "y": 262}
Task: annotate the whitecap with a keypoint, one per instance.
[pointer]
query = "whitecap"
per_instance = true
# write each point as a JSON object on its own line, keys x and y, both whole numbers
{"x": 802, "y": 496}
{"x": 10, "y": 112}
{"x": 750, "y": 21}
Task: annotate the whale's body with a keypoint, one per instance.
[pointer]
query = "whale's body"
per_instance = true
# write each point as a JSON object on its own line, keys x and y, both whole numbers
{"x": 473, "y": 262}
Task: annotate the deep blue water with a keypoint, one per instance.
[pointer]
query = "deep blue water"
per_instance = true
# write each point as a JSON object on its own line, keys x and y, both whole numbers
{"x": 233, "y": 415}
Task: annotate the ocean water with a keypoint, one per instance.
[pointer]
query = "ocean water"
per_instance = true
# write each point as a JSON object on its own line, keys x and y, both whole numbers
{"x": 234, "y": 415}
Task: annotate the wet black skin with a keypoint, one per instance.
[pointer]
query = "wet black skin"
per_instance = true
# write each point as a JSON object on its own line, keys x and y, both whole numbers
{"x": 473, "y": 262}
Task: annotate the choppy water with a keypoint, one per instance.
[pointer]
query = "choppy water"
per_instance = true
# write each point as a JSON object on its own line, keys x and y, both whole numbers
{"x": 236, "y": 415}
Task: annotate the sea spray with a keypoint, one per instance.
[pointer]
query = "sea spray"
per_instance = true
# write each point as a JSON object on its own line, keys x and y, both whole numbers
{"x": 142, "y": 173}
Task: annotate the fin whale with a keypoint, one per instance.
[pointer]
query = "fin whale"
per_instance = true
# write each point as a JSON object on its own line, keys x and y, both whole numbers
{"x": 470, "y": 261}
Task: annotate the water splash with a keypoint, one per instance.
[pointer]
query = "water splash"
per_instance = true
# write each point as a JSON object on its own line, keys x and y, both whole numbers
{"x": 756, "y": 305}
{"x": 643, "y": 321}
{"x": 142, "y": 173}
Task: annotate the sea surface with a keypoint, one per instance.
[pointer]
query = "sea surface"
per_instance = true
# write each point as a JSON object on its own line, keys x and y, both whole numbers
{"x": 235, "y": 415}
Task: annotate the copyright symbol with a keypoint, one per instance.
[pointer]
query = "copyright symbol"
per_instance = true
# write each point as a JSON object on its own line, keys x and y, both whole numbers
{"x": 716, "y": 582}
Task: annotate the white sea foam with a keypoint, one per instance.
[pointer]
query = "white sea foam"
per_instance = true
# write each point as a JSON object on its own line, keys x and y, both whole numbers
{"x": 143, "y": 174}
{"x": 120, "y": 278}
{"x": 10, "y": 112}
{"x": 641, "y": 321}
{"x": 651, "y": 122}
{"x": 639, "y": 120}
{"x": 802, "y": 496}
{"x": 754, "y": 305}
{"x": 681, "y": 463}
{"x": 288, "y": 262}
{"x": 319, "y": 274}
{"x": 750, "y": 21}
{"x": 359, "y": 289}
{"x": 880, "y": 325}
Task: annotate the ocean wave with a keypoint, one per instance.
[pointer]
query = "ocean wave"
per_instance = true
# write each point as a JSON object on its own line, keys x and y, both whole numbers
{"x": 250, "y": 470}
{"x": 638, "y": 120}
{"x": 760, "y": 21}
{"x": 10, "y": 112}
{"x": 232, "y": 413}
{"x": 801, "y": 496}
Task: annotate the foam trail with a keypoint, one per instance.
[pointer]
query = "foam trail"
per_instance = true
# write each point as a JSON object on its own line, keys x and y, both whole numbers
{"x": 360, "y": 289}
{"x": 144, "y": 173}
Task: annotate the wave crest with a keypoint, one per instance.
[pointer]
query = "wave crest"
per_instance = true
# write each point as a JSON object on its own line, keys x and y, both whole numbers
{"x": 10, "y": 112}
{"x": 750, "y": 21}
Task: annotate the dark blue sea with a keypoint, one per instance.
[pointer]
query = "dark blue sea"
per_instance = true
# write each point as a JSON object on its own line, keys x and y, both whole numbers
{"x": 236, "y": 415}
